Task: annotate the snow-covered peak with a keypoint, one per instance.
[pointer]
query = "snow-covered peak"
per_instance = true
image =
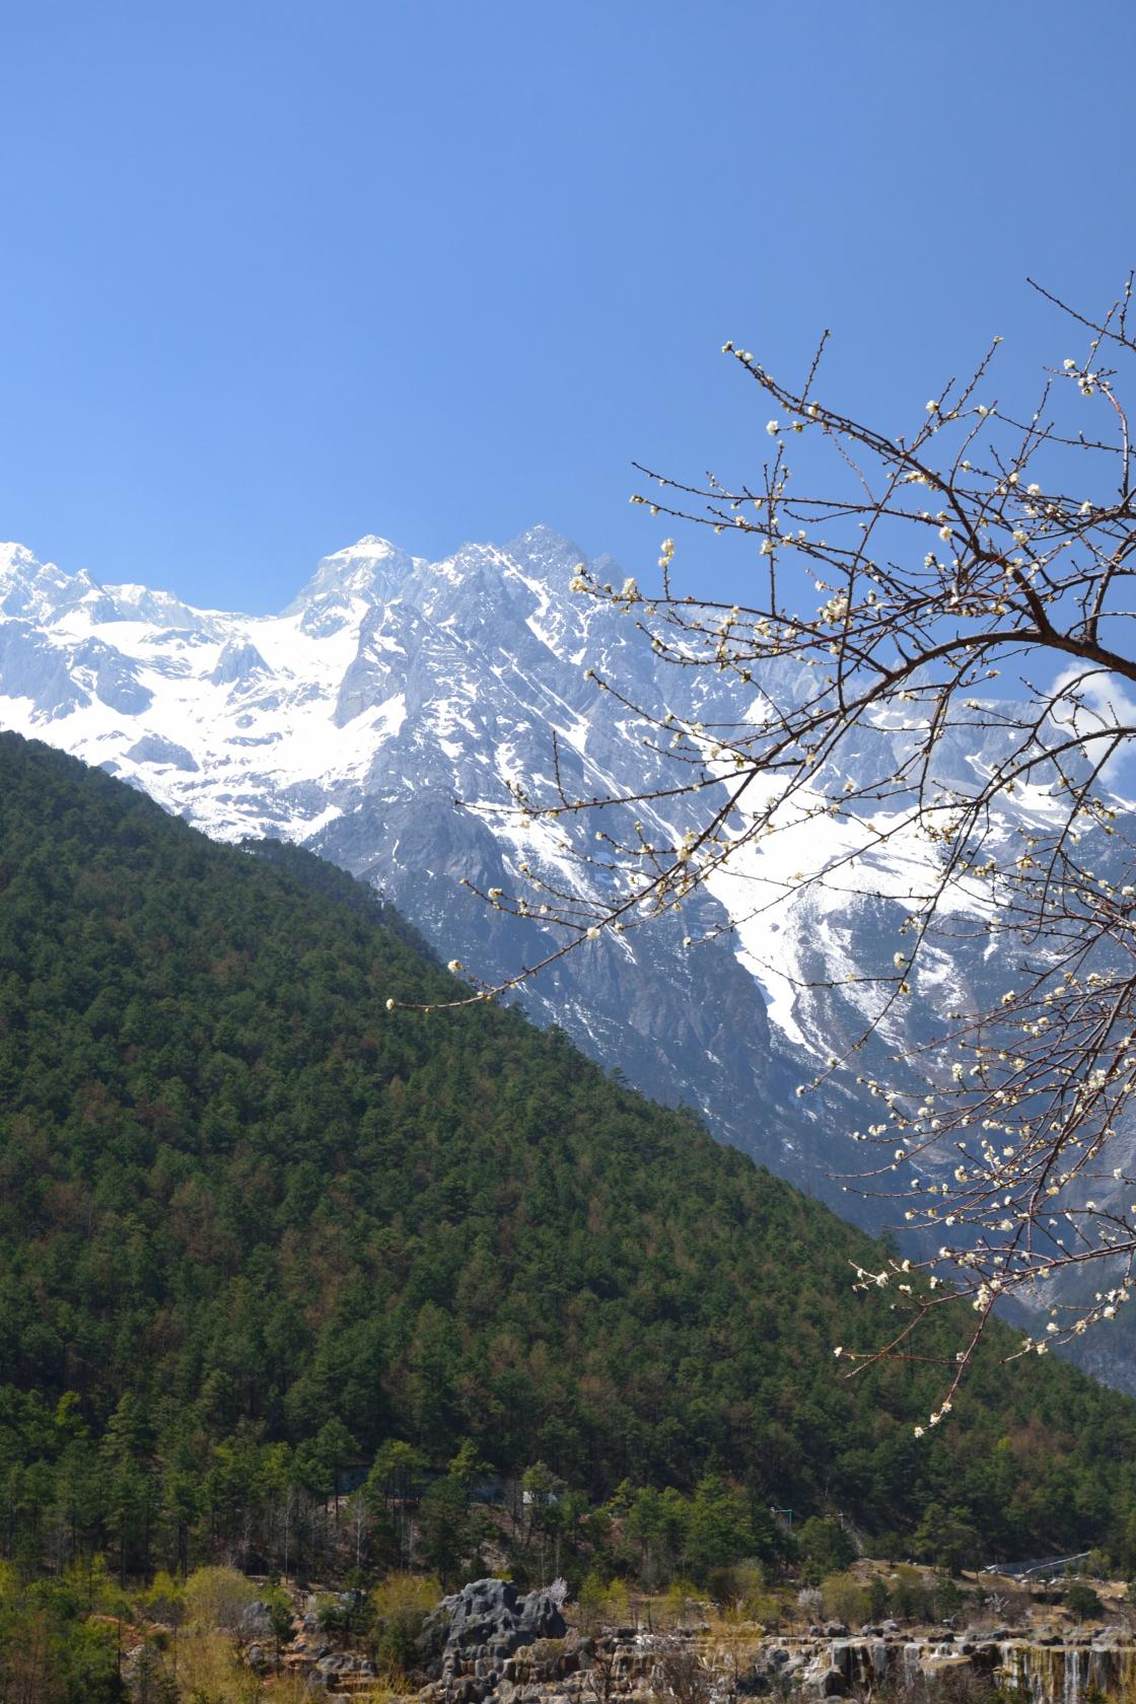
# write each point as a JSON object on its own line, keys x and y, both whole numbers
{"x": 16, "y": 559}
{"x": 33, "y": 590}
{"x": 547, "y": 554}
{"x": 372, "y": 545}
{"x": 44, "y": 593}
{"x": 129, "y": 602}
{"x": 372, "y": 569}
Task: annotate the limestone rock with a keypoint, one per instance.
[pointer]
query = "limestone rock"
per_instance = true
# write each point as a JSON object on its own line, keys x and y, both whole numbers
{"x": 489, "y": 1620}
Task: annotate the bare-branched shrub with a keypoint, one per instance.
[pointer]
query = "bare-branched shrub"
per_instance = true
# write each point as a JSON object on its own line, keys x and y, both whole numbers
{"x": 683, "y": 1675}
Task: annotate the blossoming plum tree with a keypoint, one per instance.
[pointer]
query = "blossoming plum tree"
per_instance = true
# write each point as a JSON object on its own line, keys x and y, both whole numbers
{"x": 985, "y": 544}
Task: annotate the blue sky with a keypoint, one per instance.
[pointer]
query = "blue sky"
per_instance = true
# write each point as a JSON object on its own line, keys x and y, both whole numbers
{"x": 277, "y": 275}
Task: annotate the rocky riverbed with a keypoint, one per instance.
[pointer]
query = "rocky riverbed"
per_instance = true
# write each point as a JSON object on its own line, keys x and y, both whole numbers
{"x": 491, "y": 1644}
{"x": 699, "y": 1668}
{"x": 488, "y": 1644}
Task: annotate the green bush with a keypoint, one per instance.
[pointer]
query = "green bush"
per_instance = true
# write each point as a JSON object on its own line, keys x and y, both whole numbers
{"x": 1082, "y": 1601}
{"x": 741, "y": 1588}
{"x": 879, "y": 1598}
{"x": 216, "y": 1598}
{"x": 911, "y": 1598}
{"x": 400, "y": 1605}
{"x": 845, "y": 1598}
{"x": 825, "y": 1548}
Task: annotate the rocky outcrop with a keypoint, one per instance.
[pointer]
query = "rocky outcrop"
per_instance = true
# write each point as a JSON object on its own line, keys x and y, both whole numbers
{"x": 237, "y": 661}
{"x": 475, "y": 1630}
{"x": 154, "y": 748}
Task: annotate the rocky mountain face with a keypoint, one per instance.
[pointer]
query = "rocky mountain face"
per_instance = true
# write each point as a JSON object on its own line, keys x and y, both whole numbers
{"x": 390, "y": 689}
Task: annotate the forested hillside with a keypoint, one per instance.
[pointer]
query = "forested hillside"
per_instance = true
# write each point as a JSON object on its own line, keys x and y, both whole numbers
{"x": 256, "y": 1231}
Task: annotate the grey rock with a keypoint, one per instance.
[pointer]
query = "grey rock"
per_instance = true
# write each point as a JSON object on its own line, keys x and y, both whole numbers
{"x": 153, "y": 748}
{"x": 238, "y": 662}
{"x": 490, "y": 1614}
{"x": 256, "y": 1621}
{"x": 115, "y": 677}
{"x": 32, "y": 667}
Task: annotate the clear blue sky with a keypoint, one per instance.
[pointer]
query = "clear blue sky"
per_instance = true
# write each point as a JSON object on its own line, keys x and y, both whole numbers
{"x": 279, "y": 274}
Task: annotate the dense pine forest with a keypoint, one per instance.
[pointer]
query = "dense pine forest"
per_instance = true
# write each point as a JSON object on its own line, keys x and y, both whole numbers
{"x": 264, "y": 1244}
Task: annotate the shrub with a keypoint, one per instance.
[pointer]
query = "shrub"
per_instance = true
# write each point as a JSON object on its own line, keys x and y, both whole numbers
{"x": 337, "y": 1612}
{"x": 681, "y": 1604}
{"x": 730, "y": 1587}
{"x": 163, "y": 1600}
{"x": 879, "y": 1598}
{"x": 845, "y": 1598}
{"x": 740, "y": 1593}
{"x": 590, "y": 1600}
{"x": 950, "y": 1599}
{"x": 217, "y": 1598}
{"x": 151, "y": 1682}
{"x": 280, "y": 1614}
{"x": 683, "y": 1675}
{"x": 401, "y": 1604}
{"x": 910, "y": 1597}
{"x": 1082, "y": 1601}
{"x": 603, "y": 1603}
{"x": 49, "y": 1650}
{"x": 545, "y": 1650}
{"x": 210, "y": 1671}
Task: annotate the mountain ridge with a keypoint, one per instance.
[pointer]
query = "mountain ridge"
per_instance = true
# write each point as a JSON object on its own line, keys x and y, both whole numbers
{"x": 392, "y": 687}
{"x": 417, "y": 722}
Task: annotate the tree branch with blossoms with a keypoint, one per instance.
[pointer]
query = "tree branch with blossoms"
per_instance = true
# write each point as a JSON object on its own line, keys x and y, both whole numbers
{"x": 985, "y": 544}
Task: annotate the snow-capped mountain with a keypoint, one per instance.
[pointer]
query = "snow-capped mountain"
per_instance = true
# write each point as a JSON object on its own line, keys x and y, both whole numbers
{"x": 388, "y": 688}
{"x": 392, "y": 687}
